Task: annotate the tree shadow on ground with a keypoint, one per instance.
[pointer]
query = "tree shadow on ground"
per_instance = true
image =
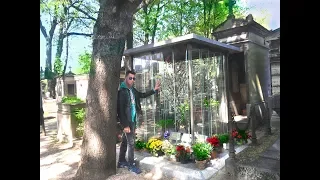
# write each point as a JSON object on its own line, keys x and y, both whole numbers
{"x": 52, "y": 149}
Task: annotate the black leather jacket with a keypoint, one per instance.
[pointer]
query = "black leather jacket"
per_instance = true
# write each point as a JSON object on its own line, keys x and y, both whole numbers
{"x": 124, "y": 104}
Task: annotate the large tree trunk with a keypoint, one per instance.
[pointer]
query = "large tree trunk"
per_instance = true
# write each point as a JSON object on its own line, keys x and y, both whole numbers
{"x": 98, "y": 150}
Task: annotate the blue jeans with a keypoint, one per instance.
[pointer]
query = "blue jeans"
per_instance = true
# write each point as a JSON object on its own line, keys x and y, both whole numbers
{"x": 128, "y": 141}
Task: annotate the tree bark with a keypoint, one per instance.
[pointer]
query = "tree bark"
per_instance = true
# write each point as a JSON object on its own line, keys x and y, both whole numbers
{"x": 98, "y": 150}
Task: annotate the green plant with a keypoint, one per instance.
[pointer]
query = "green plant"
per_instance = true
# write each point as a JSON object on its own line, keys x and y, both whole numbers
{"x": 154, "y": 146}
{"x": 84, "y": 61}
{"x": 183, "y": 108}
{"x": 71, "y": 100}
{"x": 223, "y": 138}
{"x": 80, "y": 129}
{"x": 210, "y": 102}
{"x": 165, "y": 123}
{"x": 201, "y": 150}
{"x": 80, "y": 115}
{"x": 140, "y": 144}
{"x": 240, "y": 135}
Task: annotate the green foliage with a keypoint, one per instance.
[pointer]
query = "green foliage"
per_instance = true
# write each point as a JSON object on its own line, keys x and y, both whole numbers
{"x": 84, "y": 62}
{"x": 201, "y": 150}
{"x": 210, "y": 103}
{"x": 223, "y": 138}
{"x": 182, "y": 109}
{"x": 58, "y": 66}
{"x": 140, "y": 144}
{"x": 168, "y": 19}
{"x": 80, "y": 115}
{"x": 165, "y": 123}
{"x": 71, "y": 100}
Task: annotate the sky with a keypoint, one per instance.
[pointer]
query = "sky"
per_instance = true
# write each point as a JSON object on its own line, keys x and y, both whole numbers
{"x": 78, "y": 45}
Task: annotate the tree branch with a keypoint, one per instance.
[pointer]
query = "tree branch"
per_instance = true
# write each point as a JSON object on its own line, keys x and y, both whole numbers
{"x": 79, "y": 34}
{"x": 84, "y": 12}
{"x": 43, "y": 30}
{"x": 142, "y": 5}
{"x": 53, "y": 26}
{"x": 69, "y": 23}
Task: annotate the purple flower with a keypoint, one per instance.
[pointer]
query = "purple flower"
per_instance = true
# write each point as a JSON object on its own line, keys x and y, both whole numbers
{"x": 166, "y": 134}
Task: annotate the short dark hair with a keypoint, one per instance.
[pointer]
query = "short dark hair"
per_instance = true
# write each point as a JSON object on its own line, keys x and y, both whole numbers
{"x": 130, "y": 72}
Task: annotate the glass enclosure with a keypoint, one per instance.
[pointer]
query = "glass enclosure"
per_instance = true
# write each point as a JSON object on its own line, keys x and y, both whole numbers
{"x": 184, "y": 74}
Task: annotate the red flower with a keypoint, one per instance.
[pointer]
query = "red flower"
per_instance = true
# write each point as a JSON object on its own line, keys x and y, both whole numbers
{"x": 180, "y": 148}
{"x": 214, "y": 141}
{"x": 234, "y": 134}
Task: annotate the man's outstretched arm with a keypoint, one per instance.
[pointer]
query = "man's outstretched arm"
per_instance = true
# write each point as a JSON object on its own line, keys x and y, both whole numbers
{"x": 149, "y": 93}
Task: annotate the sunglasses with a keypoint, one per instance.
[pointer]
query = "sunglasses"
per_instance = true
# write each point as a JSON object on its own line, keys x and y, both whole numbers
{"x": 130, "y": 78}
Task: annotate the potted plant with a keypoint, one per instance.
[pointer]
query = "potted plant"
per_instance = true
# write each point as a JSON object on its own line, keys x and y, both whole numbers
{"x": 201, "y": 152}
{"x": 183, "y": 154}
{"x": 224, "y": 140}
{"x": 139, "y": 145}
{"x": 241, "y": 136}
{"x": 154, "y": 146}
{"x": 168, "y": 149}
{"x": 215, "y": 143}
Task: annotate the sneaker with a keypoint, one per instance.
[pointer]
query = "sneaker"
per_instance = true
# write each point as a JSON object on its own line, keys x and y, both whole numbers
{"x": 123, "y": 164}
{"x": 134, "y": 169}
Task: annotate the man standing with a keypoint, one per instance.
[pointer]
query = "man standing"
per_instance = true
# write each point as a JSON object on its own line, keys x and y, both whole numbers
{"x": 128, "y": 108}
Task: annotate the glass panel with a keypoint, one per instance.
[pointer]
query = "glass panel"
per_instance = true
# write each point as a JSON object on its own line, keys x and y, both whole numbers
{"x": 208, "y": 92}
{"x": 147, "y": 68}
{"x": 181, "y": 95}
{"x": 170, "y": 108}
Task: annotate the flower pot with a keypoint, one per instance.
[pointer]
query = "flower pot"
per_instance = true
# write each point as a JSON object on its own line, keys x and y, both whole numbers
{"x": 219, "y": 149}
{"x": 177, "y": 158}
{"x": 172, "y": 158}
{"x": 201, "y": 164}
{"x": 184, "y": 160}
{"x": 241, "y": 142}
{"x": 214, "y": 154}
{"x": 226, "y": 146}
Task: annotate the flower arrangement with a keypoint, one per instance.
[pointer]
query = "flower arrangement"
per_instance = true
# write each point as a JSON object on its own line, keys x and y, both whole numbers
{"x": 201, "y": 150}
{"x": 139, "y": 145}
{"x": 223, "y": 138}
{"x": 214, "y": 141}
{"x": 154, "y": 146}
{"x": 167, "y": 148}
{"x": 183, "y": 153}
{"x": 241, "y": 136}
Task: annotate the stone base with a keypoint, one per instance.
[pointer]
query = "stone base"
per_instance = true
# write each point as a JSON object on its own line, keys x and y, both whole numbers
{"x": 175, "y": 170}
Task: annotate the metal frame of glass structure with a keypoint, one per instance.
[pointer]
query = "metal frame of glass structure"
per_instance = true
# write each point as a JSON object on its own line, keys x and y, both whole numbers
{"x": 194, "y": 82}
